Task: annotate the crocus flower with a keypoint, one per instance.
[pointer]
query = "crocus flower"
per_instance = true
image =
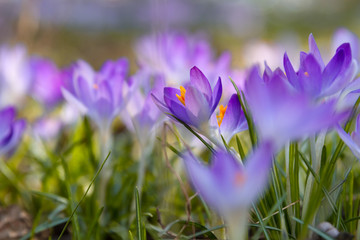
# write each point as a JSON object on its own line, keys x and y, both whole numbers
{"x": 172, "y": 54}
{"x": 230, "y": 119}
{"x": 282, "y": 114}
{"x": 317, "y": 80}
{"x": 15, "y": 79}
{"x": 141, "y": 115}
{"x": 47, "y": 128}
{"x": 194, "y": 103}
{"x": 227, "y": 184}
{"x": 11, "y": 130}
{"x": 97, "y": 94}
{"x": 229, "y": 187}
{"x": 47, "y": 81}
{"x": 352, "y": 140}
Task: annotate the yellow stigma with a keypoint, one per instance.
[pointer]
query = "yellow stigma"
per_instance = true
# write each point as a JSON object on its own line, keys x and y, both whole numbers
{"x": 239, "y": 179}
{"x": 182, "y": 97}
{"x": 306, "y": 74}
{"x": 95, "y": 86}
{"x": 220, "y": 117}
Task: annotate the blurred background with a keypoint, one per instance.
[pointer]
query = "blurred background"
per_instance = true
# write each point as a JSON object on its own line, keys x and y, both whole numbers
{"x": 96, "y": 30}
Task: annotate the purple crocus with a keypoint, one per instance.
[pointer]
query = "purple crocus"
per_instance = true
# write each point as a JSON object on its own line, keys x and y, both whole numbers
{"x": 47, "y": 128}
{"x": 229, "y": 187}
{"x": 352, "y": 140}
{"x": 193, "y": 104}
{"x": 317, "y": 79}
{"x": 15, "y": 78}
{"x": 282, "y": 114}
{"x": 227, "y": 184}
{"x": 141, "y": 115}
{"x": 172, "y": 54}
{"x": 97, "y": 94}
{"x": 11, "y": 130}
{"x": 231, "y": 119}
{"x": 47, "y": 81}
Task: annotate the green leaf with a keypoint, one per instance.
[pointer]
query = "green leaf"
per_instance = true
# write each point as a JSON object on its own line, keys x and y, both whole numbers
{"x": 139, "y": 224}
{"x": 75, "y": 223}
{"x": 51, "y": 196}
{"x": 240, "y": 148}
{"x": 261, "y": 222}
{"x": 83, "y": 197}
{"x": 94, "y": 223}
{"x": 131, "y": 236}
{"x": 201, "y": 232}
{"x": 45, "y": 226}
{"x": 315, "y": 230}
{"x": 246, "y": 113}
{"x": 193, "y": 132}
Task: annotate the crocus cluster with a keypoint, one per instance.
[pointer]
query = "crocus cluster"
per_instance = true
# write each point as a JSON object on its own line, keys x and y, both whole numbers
{"x": 180, "y": 80}
{"x": 281, "y": 106}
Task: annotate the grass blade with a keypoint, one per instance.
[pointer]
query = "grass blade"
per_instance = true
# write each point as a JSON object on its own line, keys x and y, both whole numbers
{"x": 139, "y": 225}
{"x": 45, "y": 226}
{"x": 83, "y": 197}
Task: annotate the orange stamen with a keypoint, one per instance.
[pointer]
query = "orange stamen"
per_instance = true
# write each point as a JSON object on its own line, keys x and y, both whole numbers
{"x": 95, "y": 86}
{"x": 182, "y": 96}
{"x": 220, "y": 117}
{"x": 306, "y": 74}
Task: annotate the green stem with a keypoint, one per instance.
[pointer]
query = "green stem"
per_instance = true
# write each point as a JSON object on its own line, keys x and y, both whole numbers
{"x": 310, "y": 182}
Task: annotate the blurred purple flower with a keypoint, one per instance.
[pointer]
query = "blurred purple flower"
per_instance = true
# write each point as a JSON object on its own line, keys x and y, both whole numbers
{"x": 318, "y": 80}
{"x": 141, "y": 115}
{"x": 97, "y": 94}
{"x": 193, "y": 104}
{"x": 227, "y": 185}
{"x": 282, "y": 114}
{"x": 353, "y": 140}
{"x": 11, "y": 130}
{"x": 47, "y": 128}
{"x": 348, "y": 96}
{"x": 15, "y": 78}
{"x": 172, "y": 54}
{"x": 47, "y": 81}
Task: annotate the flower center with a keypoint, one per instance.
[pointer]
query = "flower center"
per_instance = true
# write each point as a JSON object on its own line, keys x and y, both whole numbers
{"x": 95, "y": 86}
{"x": 306, "y": 74}
{"x": 239, "y": 178}
{"x": 182, "y": 96}
{"x": 221, "y": 114}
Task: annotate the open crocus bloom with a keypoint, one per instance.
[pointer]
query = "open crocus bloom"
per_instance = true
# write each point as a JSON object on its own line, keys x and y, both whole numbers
{"x": 193, "y": 104}
{"x": 317, "y": 80}
{"x": 227, "y": 185}
{"x": 353, "y": 140}
{"x": 11, "y": 130}
{"x": 282, "y": 114}
{"x": 141, "y": 115}
{"x": 47, "y": 81}
{"x": 97, "y": 94}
